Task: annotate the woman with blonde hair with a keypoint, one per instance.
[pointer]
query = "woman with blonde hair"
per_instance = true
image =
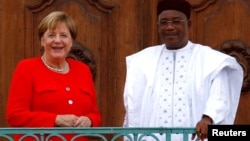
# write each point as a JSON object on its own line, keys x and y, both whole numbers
{"x": 52, "y": 90}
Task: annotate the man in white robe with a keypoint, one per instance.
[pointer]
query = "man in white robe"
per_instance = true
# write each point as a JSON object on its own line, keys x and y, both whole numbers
{"x": 180, "y": 83}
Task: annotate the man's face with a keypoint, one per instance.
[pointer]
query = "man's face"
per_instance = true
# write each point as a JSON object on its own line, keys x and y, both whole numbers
{"x": 173, "y": 28}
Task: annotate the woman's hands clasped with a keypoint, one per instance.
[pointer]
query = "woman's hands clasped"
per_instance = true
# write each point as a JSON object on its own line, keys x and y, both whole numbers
{"x": 72, "y": 121}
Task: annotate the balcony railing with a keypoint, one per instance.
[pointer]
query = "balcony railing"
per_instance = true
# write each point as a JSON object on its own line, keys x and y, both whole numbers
{"x": 97, "y": 133}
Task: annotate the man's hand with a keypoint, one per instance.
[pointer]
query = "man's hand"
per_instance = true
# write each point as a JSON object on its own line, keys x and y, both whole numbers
{"x": 202, "y": 128}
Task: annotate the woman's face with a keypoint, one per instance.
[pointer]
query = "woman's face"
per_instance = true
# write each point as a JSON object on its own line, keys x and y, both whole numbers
{"x": 57, "y": 42}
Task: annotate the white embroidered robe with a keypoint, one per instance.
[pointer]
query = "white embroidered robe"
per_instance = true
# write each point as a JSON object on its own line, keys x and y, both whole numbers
{"x": 179, "y": 96}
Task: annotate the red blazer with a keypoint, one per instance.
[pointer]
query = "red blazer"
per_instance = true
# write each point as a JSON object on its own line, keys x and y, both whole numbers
{"x": 37, "y": 95}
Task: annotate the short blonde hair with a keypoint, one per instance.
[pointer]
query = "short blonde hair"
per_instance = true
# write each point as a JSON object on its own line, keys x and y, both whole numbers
{"x": 51, "y": 20}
